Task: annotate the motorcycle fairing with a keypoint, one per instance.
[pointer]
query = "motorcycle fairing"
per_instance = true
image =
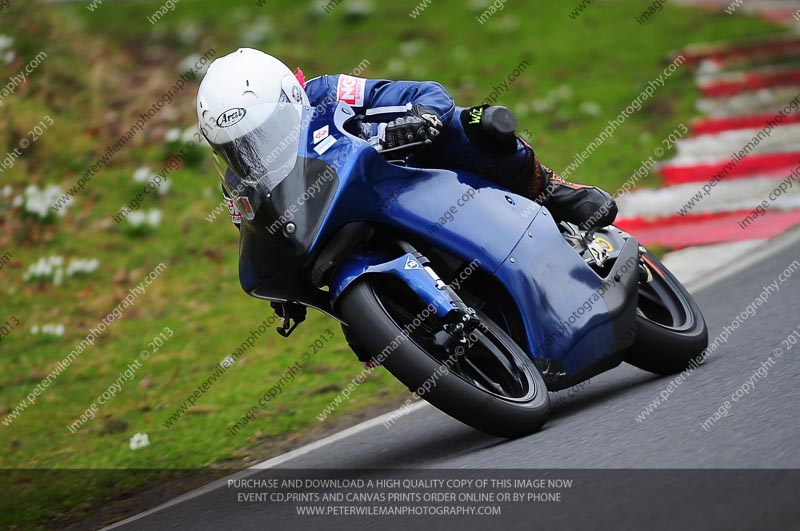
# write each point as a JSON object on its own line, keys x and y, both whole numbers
{"x": 507, "y": 235}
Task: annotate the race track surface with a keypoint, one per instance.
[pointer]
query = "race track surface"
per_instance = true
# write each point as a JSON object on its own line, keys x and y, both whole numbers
{"x": 596, "y": 427}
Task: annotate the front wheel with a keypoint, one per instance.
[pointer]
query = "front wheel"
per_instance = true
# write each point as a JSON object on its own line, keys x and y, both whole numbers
{"x": 489, "y": 383}
{"x": 671, "y": 330}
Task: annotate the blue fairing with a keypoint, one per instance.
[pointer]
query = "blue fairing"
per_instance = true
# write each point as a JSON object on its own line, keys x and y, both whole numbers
{"x": 406, "y": 268}
{"x": 509, "y": 236}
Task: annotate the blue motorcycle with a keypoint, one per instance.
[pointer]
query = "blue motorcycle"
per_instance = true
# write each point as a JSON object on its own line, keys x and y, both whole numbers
{"x": 470, "y": 295}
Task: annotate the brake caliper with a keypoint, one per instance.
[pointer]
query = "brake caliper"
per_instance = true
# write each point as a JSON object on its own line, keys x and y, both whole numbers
{"x": 461, "y": 323}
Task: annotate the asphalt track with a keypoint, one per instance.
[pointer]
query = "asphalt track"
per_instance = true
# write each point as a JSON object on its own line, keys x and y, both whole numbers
{"x": 596, "y": 428}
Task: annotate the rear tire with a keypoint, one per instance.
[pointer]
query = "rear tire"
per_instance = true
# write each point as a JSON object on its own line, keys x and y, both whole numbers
{"x": 670, "y": 334}
{"x": 364, "y": 306}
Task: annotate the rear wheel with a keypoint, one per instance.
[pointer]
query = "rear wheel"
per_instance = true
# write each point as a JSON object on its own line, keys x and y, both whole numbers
{"x": 671, "y": 329}
{"x": 489, "y": 382}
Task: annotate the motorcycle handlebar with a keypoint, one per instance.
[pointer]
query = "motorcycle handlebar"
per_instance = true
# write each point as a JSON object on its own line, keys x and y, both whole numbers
{"x": 385, "y": 151}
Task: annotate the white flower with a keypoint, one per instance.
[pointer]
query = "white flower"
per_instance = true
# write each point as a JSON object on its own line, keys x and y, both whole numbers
{"x": 317, "y": 9}
{"x": 139, "y": 440}
{"x": 44, "y": 268}
{"x": 50, "y": 329}
{"x": 7, "y": 190}
{"x": 359, "y": 8}
{"x": 52, "y": 268}
{"x": 172, "y": 135}
{"x": 81, "y": 266}
{"x": 590, "y": 108}
{"x": 154, "y": 217}
{"x": 38, "y": 202}
{"x": 189, "y": 62}
{"x": 136, "y": 218}
{"x": 6, "y": 42}
{"x": 188, "y": 134}
{"x": 165, "y": 186}
{"x": 227, "y": 362}
{"x": 9, "y": 56}
{"x": 142, "y": 174}
{"x": 52, "y": 194}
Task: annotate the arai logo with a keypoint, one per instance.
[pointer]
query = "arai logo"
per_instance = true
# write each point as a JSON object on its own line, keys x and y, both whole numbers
{"x": 230, "y": 117}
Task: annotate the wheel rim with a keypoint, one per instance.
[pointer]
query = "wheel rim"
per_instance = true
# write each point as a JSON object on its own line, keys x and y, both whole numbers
{"x": 487, "y": 363}
{"x": 662, "y": 303}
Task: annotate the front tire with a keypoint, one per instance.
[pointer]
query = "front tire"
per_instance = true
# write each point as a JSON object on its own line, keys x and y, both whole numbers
{"x": 671, "y": 329}
{"x": 378, "y": 309}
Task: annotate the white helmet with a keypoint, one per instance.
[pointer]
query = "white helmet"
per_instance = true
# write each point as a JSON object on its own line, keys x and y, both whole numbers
{"x": 250, "y": 108}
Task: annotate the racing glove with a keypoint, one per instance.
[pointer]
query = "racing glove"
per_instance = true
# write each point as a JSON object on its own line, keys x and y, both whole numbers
{"x": 417, "y": 125}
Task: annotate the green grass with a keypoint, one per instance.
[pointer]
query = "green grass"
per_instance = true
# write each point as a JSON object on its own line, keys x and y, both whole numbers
{"x": 103, "y": 68}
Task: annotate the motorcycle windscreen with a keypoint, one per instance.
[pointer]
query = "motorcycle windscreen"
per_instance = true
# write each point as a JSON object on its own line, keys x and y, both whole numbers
{"x": 288, "y": 217}
{"x": 262, "y": 153}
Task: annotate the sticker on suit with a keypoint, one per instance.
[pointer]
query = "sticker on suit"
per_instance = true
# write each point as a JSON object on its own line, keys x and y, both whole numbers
{"x": 351, "y": 90}
{"x": 321, "y": 134}
{"x": 325, "y": 145}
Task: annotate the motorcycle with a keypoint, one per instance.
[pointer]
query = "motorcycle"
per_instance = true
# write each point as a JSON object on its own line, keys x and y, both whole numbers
{"x": 472, "y": 296}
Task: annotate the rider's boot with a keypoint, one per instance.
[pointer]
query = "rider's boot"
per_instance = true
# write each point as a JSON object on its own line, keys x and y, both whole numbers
{"x": 589, "y": 207}
{"x": 492, "y": 128}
